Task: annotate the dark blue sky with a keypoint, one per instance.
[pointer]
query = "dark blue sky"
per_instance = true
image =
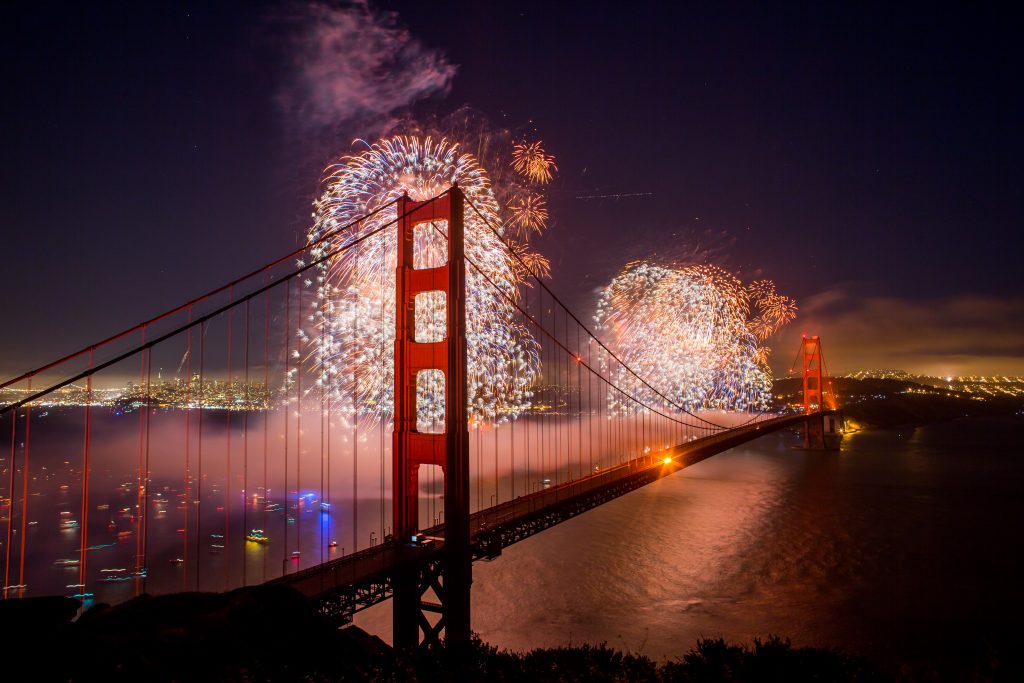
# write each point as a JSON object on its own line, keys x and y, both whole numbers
{"x": 853, "y": 153}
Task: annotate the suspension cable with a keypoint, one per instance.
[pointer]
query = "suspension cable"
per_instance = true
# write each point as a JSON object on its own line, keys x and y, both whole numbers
{"x": 211, "y": 293}
{"x": 580, "y": 323}
{"x": 93, "y": 369}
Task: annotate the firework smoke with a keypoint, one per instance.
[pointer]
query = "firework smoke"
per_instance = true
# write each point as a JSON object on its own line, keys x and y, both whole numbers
{"x": 353, "y": 67}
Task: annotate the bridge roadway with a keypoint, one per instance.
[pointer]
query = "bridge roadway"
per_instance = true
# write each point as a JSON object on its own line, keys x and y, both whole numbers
{"x": 348, "y": 584}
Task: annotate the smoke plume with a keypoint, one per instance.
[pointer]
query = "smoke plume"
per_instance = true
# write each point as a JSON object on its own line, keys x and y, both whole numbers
{"x": 351, "y": 68}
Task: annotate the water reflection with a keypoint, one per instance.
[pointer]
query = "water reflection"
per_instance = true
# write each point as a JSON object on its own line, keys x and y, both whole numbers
{"x": 864, "y": 550}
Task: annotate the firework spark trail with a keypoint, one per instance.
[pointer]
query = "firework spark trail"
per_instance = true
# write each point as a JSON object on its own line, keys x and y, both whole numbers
{"x": 353, "y": 319}
{"x": 689, "y": 330}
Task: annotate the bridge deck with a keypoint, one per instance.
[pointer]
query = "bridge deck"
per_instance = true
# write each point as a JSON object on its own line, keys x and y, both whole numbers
{"x": 348, "y": 584}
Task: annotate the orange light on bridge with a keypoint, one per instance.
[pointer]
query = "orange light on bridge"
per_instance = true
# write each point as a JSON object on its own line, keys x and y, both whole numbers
{"x": 667, "y": 461}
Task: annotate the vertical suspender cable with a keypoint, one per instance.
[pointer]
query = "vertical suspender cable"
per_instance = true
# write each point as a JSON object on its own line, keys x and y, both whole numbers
{"x": 383, "y": 378}
{"x": 188, "y": 444}
{"x": 329, "y": 386}
{"x": 269, "y": 405}
{"x": 10, "y": 505}
{"x": 140, "y": 480}
{"x": 355, "y": 436}
{"x": 82, "y": 564}
{"x": 24, "y": 498}
{"x": 590, "y": 411}
{"x": 227, "y": 460}
{"x": 145, "y": 497}
{"x": 245, "y": 449}
{"x": 199, "y": 454}
{"x": 287, "y": 413}
{"x": 298, "y": 429}
{"x": 324, "y": 496}
{"x": 579, "y": 402}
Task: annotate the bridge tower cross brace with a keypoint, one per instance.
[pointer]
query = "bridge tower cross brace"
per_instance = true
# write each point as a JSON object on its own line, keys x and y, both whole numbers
{"x": 450, "y": 578}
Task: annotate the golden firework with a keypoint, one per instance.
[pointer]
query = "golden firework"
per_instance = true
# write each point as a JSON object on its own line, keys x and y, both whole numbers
{"x": 531, "y": 161}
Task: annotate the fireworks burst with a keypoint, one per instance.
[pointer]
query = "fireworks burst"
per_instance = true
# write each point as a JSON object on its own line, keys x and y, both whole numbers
{"x": 689, "y": 332}
{"x": 530, "y": 263}
{"x": 529, "y": 214}
{"x": 353, "y": 320}
{"x": 531, "y": 161}
{"x": 770, "y": 310}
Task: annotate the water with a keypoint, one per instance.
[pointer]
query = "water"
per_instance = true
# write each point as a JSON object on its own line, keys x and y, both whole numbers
{"x": 906, "y": 545}
{"x": 316, "y": 488}
{"x": 902, "y": 546}
{"x": 238, "y": 479}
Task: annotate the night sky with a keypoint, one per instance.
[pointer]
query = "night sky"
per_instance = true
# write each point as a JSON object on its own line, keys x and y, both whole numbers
{"x": 867, "y": 158}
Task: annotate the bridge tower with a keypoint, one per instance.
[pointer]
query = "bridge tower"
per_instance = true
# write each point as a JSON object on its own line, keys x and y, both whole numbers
{"x": 810, "y": 350}
{"x": 450, "y": 575}
{"x": 821, "y": 430}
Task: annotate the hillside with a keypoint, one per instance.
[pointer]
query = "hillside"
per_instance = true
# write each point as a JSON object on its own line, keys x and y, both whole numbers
{"x": 891, "y": 402}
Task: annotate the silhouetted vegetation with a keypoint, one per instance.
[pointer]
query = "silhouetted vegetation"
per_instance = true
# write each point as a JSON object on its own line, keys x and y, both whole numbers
{"x": 274, "y": 634}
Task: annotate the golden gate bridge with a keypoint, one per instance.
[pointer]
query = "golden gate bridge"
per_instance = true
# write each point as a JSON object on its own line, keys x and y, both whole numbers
{"x": 249, "y": 470}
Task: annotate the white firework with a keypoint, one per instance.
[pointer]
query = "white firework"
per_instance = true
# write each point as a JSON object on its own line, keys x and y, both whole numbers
{"x": 688, "y": 332}
{"x": 353, "y": 321}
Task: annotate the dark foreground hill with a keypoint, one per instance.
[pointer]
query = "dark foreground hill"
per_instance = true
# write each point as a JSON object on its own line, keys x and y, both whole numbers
{"x": 274, "y": 634}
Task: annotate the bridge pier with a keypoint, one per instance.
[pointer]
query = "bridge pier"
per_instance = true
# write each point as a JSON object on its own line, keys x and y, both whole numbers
{"x": 405, "y": 610}
{"x": 823, "y": 431}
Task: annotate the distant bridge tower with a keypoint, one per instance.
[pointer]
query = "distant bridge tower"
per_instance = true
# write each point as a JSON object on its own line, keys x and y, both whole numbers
{"x": 449, "y": 575}
{"x": 810, "y": 350}
{"x": 823, "y": 427}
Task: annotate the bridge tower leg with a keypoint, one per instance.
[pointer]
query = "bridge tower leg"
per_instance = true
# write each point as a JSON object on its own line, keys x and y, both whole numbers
{"x": 450, "y": 578}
